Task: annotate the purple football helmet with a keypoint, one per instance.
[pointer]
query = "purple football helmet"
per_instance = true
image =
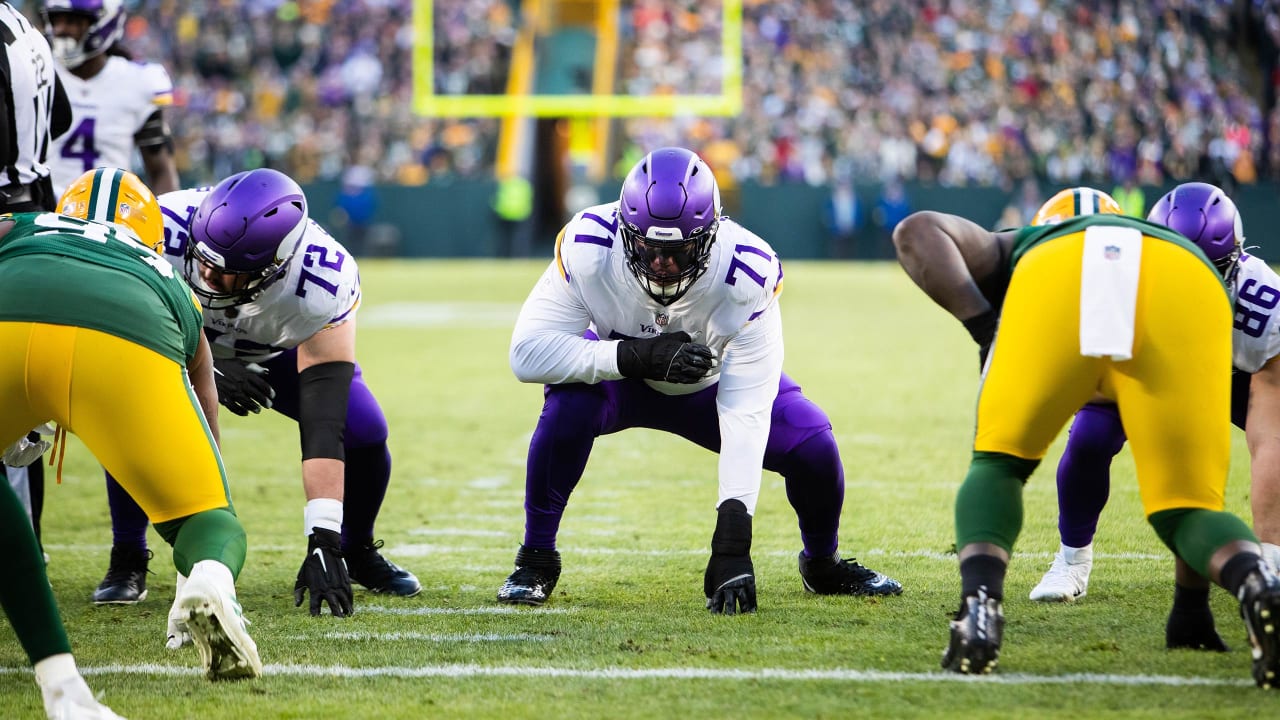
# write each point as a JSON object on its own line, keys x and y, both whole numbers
{"x": 1204, "y": 214}
{"x": 106, "y": 27}
{"x": 669, "y": 212}
{"x": 246, "y": 229}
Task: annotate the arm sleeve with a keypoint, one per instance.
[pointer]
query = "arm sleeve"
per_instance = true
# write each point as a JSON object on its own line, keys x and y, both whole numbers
{"x": 60, "y": 114}
{"x": 748, "y": 387}
{"x": 547, "y": 345}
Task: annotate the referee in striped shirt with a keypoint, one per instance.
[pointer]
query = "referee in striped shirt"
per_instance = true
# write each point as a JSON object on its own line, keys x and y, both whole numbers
{"x": 34, "y": 109}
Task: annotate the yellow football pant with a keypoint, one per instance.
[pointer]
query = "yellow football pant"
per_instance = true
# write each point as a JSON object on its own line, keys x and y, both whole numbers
{"x": 1174, "y": 393}
{"x": 132, "y": 407}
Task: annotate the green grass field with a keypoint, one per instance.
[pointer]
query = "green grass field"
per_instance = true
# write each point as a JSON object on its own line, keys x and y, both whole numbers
{"x": 626, "y": 634}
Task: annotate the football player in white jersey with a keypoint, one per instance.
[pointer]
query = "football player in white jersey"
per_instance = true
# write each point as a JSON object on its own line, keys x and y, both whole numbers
{"x": 658, "y": 312}
{"x": 280, "y": 298}
{"x": 1203, "y": 213}
{"x": 117, "y": 103}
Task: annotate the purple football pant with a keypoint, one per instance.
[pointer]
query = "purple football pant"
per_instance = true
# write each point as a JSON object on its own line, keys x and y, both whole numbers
{"x": 801, "y": 448}
{"x": 1084, "y": 472}
{"x": 368, "y": 462}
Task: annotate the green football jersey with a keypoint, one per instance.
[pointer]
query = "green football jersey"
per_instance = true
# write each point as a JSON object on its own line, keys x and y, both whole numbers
{"x": 66, "y": 271}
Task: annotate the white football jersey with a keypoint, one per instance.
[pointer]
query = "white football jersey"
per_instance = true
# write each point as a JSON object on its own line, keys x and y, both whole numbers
{"x": 321, "y": 289}
{"x": 106, "y": 111}
{"x": 733, "y": 309}
{"x": 1255, "y": 293}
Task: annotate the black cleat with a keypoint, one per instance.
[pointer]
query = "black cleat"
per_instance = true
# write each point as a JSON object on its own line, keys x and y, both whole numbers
{"x": 976, "y": 633}
{"x": 1193, "y": 631}
{"x": 1260, "y": 608}
{"x": 536, "y": 575}
{"x": 377, "y": 574}
{"x": 833, "y": 576}
{"x": 126, "y": 579}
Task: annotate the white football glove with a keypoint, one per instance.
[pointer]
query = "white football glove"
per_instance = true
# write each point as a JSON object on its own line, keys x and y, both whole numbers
{"x": 24, "y": 452}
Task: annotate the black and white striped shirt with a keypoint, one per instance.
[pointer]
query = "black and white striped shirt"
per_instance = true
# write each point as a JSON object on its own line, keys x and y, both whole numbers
{"x": 26, "y": 100}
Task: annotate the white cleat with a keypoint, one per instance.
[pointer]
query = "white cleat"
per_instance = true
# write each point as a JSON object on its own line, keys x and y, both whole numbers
{"x": 1068, "y": 577}
{"x": 216, "y": 623}
{"x": 72, "y": 699}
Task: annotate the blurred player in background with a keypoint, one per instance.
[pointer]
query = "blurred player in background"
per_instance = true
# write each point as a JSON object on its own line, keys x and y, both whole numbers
{"x": 117, "y": 103}
{"x": 1203, "y": 213}
{"x": 94, "y": 321}
{"x": 658, "y": 312}
{"x": 1074, "y": 322}
{"x": 280, "y": 298}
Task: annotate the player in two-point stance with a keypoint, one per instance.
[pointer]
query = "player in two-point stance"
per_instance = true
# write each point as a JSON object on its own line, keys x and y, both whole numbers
{"x": 1204, "y": 214}
{"x": 95, "y": 321}
{"x": 280, "y": 298}
{"x": 658, "y": 312}
{"x": 117, "y": 103}
{"x": 1092, "y": 303}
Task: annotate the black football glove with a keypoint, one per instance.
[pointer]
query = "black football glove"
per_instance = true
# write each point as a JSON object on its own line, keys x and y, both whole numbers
{"x": 982, "y": 328}
{"x": 324, "y": 573}
{"x": 730, "y": 580}
{"x": 672, "y": 357}
{"x": 242, "y": 387}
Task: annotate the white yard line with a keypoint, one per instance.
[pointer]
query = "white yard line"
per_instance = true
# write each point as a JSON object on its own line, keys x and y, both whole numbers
{"x": 494, "y": 610}
{"x": 425, "y": 637}
{"x": 838, "y": 675}
{"x": 424, "y": 549}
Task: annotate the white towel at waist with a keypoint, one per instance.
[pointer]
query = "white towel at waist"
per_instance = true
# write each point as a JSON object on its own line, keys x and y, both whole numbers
{"x": 1109, "y": 291}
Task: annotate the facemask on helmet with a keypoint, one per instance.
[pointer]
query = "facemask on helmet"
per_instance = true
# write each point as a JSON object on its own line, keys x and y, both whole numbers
{"x": 243, "y": 236}
{"x": 1206, "y": 216}
{"x": 1074, "y": 202}
{"x": 118, "y": 197}
{"x": 669, "y": 212}
{"x": 106, "y": 27}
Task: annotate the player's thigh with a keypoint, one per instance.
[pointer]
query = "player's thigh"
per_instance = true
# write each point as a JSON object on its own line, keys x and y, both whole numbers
{"x": 1036, "y": 377}
{"x": 135, "y": 409}
{"x": 1175, "y": 394}
{"x": 19, "y": 415}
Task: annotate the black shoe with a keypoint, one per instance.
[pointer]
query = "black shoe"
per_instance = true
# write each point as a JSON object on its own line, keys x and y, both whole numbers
{"x": 833, "y": 576}
{"x": 377, "y": 574}
{"x": 975, "y": 635}
{"x": 1260, "y": 608}
{"x": 1193, "y": 631}
{"x": 536, "y": 575}
{"x": 126, "y": 579}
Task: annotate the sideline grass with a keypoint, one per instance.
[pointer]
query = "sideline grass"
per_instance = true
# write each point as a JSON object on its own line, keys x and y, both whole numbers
{"x": 625, "y": 635}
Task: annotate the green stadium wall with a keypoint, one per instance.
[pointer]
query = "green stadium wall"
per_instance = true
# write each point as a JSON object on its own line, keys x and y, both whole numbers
{"x": 455, "y": 219}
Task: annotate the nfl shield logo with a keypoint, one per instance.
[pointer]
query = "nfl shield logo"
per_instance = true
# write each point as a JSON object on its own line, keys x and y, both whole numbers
{"x": 1112, "y": 252}
{"x": 661, "y": 319}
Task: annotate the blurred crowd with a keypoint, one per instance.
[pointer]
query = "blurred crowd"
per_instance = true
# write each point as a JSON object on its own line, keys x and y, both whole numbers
{"x": 318, "y": 87}
{"x": 959, "y": 92}
{"x": 964, "y": 92}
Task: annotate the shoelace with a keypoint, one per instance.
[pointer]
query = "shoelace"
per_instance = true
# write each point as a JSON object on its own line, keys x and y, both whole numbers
{"x": 59, "y": 448}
